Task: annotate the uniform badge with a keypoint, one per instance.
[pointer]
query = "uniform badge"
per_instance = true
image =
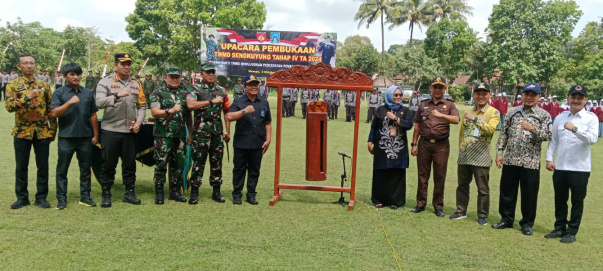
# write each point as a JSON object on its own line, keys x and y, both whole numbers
{"x": 444, "y": 107}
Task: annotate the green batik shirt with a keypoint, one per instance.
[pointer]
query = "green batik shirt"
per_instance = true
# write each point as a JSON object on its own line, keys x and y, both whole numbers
{"x": 173, "y": 125}
{"x": 31, "y": 115}
{"x": 208, "y": 120}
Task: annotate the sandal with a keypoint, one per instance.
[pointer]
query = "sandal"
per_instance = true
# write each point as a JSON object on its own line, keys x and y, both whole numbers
{"x": 379, "y": 206}
{"x": 393, "y": 207}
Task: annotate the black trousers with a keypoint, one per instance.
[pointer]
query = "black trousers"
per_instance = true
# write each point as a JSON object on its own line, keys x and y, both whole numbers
{"x": 3, "y": 91}
{"x": 304, "y": 108}
{"x": 565, "y": 182}
{"x": 512, "y": 178}
{"x": 113, "y": 146}
{"x": 334, "y": 111}
{"x": 246, "y": 161}
{"x": 465, "y": 174}
{"x": 292, "y": 109}
{"x": 350, "y": 113}
{"x": 82, "y": 147}
{"x": 22, "y": 152}
{"x": 371, "y": 114}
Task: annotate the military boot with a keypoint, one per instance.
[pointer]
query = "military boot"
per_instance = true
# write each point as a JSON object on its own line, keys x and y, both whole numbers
{"x": 159, "y": 194}
{"x": 194, "y": 199}
{"x": 216, "y": 195}
{"x": 176, "y": 195}
{"x": 130, "y": 195}
{"x": 106, "y": 194}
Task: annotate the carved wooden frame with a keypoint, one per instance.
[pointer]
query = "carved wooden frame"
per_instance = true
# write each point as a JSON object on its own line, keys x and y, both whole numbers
{"x": 319, "y": 76}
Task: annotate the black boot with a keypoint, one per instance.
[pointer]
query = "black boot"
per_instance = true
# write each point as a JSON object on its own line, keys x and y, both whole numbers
{"x": 176, "y": 195}
{"x": 159, "y": 194}
{"x": 130, "y": 195}
{"x": 194, "y": 199}
{"x": 106, "y": 194}
{"x": 216, "y": 195}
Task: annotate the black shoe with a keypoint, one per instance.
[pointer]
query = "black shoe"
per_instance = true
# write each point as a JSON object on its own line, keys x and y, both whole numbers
{"x": 502, "y": 225}
{"x": 252, "y": 201}
{"x": 42, "y": 203}
{"x": 439, "y": 213}
{"x": 19, "y": 204}
{"x": 237, "y": 201}
{"x": 526, "y": 230}
{"x": 130, "y": 196}
{"x": 194, "y": 198}
{"x": 217, "y": 197}
{"x": 176, "y": 195}
{"x": 417, "y": 209}
{"x": 106, "y": 197}
{"x": 62, "y": 204}
{"x": 87, "y": 201}
{"x": 159, "y": 196}
{"x": 568, "y": 239}
{"x": 554, "y": 234}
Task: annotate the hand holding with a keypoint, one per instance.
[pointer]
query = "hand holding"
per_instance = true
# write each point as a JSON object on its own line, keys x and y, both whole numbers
{"x": 550, "y": 166}
{"x": 499, "y": 160}
{"x": 34, "y": 93}
{"x": 414, "y": 151}
{"x": 74, "y": 100}
{"x": 249, "y": 109}
{"x": 175, "y": 109}
{"x": 391, "y": 115}
{"x": 469, "y": 116}
{"x": 569, "y": 126}
{"x": 226, "y": 138}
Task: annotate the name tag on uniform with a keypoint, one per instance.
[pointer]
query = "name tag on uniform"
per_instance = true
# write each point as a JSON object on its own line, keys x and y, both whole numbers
{"x": 262, "y": 113}
{"x": 476, "y": 132}
{"x": 393, "y": 131}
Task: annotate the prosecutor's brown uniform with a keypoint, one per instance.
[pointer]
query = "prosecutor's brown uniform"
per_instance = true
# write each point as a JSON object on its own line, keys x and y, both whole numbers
{"x": 433, "y": 147}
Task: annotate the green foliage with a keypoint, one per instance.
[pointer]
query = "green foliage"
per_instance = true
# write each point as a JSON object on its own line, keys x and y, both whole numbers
{"x": 460, "y": 93}
{"x": 358, "y": 54}
{"x": 411, "y": 62}
{"x": 526, "y": 39}
{"x": 169, "y": 31}
{"x": 449, "y": 41}
{"x": 586, "y": 66}
{"x": 450, "y": 9}
{"x": 414, "y": 12}
{"x": 369, "y": 12}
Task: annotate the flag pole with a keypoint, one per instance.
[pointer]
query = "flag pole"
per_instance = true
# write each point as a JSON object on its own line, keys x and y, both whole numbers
{"x": 106, "y": 61}
{"x": 60, "y": 61}
{"x": 143, "y": 64}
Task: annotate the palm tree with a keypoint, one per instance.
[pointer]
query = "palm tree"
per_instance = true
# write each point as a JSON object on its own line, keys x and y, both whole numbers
{"x": 369, "y": 12}
{"x": 415, "y": 12}
{"x": 450, "y": 8}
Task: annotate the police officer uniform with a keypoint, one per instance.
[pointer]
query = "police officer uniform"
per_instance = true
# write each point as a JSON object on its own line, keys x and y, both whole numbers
{"x": 292, "y": 101}
{"x": 304, "y": 99}
{"x": 286, "y": 104}
{"x": 350, "y": 105}
{"x": 373, "y": 104}
{"x": 335, "y": 102}
{"x": 328, "y": 98}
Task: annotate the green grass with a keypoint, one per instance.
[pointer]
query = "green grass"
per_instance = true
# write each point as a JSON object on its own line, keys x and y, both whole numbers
{"x": 304, "y": 231}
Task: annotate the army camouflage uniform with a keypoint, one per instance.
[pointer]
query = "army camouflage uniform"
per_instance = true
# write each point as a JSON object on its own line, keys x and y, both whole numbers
{"x": 170, "y": 134}
{"x": 238, "y": 91}
{"x": 33, "y": 126}
{"x": 149, "y": 86}
{"x": 207, "y": 133}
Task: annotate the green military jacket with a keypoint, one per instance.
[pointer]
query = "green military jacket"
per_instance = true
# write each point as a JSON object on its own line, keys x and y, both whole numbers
{"x": 90, "y": 83}
{"x": 31, "y": 116}
{"x": 238, "y": 91}
{"x": 173, "y": 125}
{"x": 208, "y": 120}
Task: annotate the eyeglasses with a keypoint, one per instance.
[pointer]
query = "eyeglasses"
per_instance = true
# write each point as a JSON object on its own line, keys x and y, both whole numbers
{"x": 397, "y": 95}
{"x": 210, "y": 72}
{"x": 28, "y": 64}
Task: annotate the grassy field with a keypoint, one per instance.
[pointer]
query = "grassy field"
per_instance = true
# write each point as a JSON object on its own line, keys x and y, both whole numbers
{"x": 304, "y": 231}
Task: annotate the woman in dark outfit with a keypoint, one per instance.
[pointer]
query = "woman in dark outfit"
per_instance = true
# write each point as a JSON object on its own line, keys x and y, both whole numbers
{"x": 387, "y": 142}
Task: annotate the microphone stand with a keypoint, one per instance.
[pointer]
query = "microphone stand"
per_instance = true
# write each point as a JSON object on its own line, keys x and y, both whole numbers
{"x": 344, "y": 178}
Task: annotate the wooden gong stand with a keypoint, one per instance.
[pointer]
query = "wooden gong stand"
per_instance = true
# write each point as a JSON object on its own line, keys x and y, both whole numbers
{"x": 319, "y": 76}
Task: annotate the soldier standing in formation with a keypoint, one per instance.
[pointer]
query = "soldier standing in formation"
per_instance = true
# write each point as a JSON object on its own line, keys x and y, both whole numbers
{"x": 168, "y": 107}
{"x": 328, "y": 98}
{"x": 335, "y": 102}
{"x": 97, "y": 79}
{"x": 314, "y": 95}
{"x": 3, "y": 82}
{"x": 90, "y": 82}
{"x": 373, "y": 104}
{"x": 13, "y": 76}
{"x": 304, "y": 99}
{"x": 58, "y": 81}
{"x": 30, "y": 99}
{"x": 238, "y": 89}
{"x": 286, "y": 97}
{"x": 350, "y": 105}
{"x": 122, "y": 99}
{"x": 293, "y": 101}
{"x": 158, "y": 81}
{"x": 263, "y": 90}
{"x": 149, "y": 86}
{"x": 75, "y": 108}
{"x": 208, "y": 101}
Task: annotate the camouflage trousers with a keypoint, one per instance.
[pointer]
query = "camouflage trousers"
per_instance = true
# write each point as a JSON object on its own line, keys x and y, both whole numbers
{"x": 204, "y": 145}
{"x": 170, "y": 151}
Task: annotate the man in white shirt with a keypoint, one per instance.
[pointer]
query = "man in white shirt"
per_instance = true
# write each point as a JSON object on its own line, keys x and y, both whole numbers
{"x": 573, "y": 133}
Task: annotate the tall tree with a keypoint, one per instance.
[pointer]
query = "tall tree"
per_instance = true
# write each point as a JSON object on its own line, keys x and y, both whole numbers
{"x": 526, "y": 38}
{"x": 449, "y": 41}
{"x": 414, "y": 65}
{"x": 169, "y": 31}
{"x": 369, "y": 12}
{"x": 414, "y": 12}
{"x": 358, "y": 54}
{"x": 450, "y": 9}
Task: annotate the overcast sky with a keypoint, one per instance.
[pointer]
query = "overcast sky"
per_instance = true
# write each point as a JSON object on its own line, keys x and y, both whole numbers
{"x": 108, "y": 16}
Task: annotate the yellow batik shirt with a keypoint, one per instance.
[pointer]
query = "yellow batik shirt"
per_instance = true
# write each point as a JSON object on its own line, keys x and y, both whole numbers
{"x": 31, "y": 115}
{"x": 475, "y": 137}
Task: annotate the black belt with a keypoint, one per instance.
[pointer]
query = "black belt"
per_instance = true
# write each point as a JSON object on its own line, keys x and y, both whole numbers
{"x": 435, "y": 140}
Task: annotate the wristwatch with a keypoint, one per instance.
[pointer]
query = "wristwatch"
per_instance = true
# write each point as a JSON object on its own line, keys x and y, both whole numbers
{"x": 575, "y": 129}
{"x": 244, "y": 111}
{"x": 475, "y": 119}
{"x": 413, "y": 144}
{"x": 396, "y": 118}
{"x": 167, "y": 112}
{"x": 211, "y": 102}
